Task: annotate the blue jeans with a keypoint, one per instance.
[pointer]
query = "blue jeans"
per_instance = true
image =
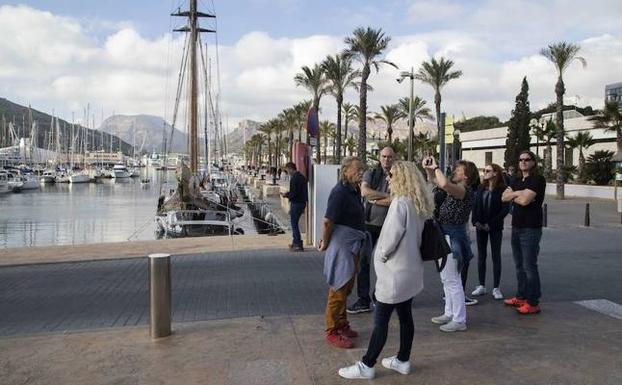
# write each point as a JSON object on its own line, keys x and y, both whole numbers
{"x": 525, "y": 249}
{"x": 382, "y": 316}
{"x": 295, "y": 211}
{"x": 460, "y": 243}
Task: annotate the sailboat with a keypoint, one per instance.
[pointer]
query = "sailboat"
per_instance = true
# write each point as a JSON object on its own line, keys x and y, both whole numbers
{"x": 189, "y": 211}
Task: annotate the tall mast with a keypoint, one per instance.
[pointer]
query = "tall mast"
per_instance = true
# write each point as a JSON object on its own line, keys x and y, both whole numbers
{"x": 194, "y": 30}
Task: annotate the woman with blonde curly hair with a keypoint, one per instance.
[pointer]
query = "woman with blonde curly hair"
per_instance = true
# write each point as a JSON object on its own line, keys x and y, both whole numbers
{"x": 399, "y": 269}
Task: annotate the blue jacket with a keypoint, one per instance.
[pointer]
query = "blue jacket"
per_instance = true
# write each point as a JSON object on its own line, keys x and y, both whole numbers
{"x": 345, "y": 243}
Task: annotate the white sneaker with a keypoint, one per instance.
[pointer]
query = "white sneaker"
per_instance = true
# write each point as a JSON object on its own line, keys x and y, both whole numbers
{"x": 479, "y": 290}
{"x": 358, "y": 371}
{"x": 453, "y": 326}
{"x": 441, "y": 319}
{"x": 496, "y": 293}
{"x": 394, "y": 364}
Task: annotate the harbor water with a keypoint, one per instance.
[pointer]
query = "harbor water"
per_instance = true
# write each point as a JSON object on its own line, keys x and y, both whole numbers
{"x": 65, "y": 214}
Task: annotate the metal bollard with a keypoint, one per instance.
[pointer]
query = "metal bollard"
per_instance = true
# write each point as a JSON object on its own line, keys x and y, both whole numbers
{"x": 545, "y": 215}
{"x": 586, "y": 221}
{"x": 159, "y": 295}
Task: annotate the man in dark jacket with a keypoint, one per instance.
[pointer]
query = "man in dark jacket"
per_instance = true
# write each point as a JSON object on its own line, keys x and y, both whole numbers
{"x": 297, "y": 196}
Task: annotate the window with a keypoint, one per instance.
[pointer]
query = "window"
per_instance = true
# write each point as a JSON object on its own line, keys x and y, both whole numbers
{"x": 488, "y": 155}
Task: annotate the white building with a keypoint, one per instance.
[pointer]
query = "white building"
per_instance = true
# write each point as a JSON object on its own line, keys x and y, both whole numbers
{"x": 488, "y": 146}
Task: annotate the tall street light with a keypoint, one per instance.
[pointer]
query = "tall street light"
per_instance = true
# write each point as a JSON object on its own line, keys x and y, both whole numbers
{"x": 400, "y": 79}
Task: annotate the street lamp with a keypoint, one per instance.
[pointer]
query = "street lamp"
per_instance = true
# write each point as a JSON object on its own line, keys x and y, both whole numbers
{"x": 400, "y": 79}
{"x": 535, "y": 124}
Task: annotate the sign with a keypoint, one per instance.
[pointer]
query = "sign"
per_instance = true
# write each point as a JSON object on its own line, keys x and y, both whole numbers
{"x": 312, "y": 141}
{"x": 313, "y": 123}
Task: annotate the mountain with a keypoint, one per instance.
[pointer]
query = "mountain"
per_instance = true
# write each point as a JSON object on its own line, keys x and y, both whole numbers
{"x": 146, "y": 131}
{"x": 45, "y": 136}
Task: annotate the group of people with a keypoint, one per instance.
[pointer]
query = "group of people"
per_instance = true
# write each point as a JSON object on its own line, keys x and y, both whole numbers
{"x": 378, "y": 217}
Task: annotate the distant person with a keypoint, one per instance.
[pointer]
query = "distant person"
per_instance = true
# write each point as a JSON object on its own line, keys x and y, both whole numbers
{"x": 454, "y": 200}
{"x": 487, "y": 217}
{"x": 344, "y": 239}
{"x": 297, "y": 196}
{"x": 526, "y": 194}
{"x": 508, "y": 177}
{"x": 398, "y": 265}
{"x": 375, "y": 191}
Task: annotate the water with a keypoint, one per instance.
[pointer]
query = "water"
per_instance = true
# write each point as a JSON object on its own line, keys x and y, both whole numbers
{"x": 68, "y": 214}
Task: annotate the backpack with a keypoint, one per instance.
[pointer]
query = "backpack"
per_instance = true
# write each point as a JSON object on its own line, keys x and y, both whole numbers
{"x": 433, "y": 244}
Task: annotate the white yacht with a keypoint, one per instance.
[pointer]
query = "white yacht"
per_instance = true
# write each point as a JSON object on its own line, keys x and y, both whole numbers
{"x": 26, "y": 181}
{"x": 48, "y": 176}
{"x": 79, "y": 177}
{"x": 120, "y": 171}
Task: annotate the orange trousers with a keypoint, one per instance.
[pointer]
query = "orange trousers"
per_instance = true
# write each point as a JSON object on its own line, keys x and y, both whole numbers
{"x": 336, "y": 315}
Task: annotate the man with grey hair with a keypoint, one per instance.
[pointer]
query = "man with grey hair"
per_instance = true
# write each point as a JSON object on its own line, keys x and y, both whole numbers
{"x": 375, "y": 191}
{"x": 345, "y": 240}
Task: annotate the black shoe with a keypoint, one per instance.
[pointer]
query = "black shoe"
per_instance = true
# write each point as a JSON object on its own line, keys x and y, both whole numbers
{"x": 296, "y": 248}
{"x": 359, "y": 307}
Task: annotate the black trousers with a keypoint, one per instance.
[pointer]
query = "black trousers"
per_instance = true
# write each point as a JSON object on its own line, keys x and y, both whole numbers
{"x": 363, "y": 278}
{"x": 496, "y": 237}
{"x": 382, "y": 316}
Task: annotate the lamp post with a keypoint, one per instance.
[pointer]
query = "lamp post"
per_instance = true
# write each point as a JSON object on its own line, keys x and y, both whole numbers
{"x": 400, "y": 79}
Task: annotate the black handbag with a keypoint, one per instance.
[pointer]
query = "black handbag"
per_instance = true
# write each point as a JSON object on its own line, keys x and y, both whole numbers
{"x": 434, "y": 247}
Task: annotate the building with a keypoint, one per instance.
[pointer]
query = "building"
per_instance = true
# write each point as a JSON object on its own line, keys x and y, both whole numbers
{"x": 488, "y": 146}
{"x": 613, "y": 92}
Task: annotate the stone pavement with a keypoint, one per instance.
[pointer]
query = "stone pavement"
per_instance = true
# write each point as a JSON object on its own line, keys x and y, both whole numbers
{"x": 255, "y": 317}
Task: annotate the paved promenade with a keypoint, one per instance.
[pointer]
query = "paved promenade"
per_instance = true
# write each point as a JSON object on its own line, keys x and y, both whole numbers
{"x": 254, "y": 316}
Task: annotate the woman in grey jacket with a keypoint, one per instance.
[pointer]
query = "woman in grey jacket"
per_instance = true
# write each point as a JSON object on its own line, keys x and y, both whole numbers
{"x": 399, "y": 269}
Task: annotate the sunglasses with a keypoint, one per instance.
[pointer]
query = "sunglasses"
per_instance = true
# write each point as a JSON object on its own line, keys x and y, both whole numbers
{"x": 525, "y": 159}
{"x": 489, "y": 171}
{"x": 390, "y": 174}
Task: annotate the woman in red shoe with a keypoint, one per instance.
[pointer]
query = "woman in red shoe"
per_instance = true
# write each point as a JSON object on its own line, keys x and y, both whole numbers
{"x": 527, "y": 193}
{"x": 399, "y": 269}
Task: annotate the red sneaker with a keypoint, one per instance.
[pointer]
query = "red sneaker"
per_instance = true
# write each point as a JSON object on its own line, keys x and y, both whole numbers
{"x": 347, "y": 331}
{"x": 528, "y": 309}
{"x": 339, "y": 341}
{"x": 514, "y": 302}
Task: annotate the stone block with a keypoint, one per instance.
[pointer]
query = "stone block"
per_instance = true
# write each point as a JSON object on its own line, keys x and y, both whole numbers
{"x": 270, "y": 190}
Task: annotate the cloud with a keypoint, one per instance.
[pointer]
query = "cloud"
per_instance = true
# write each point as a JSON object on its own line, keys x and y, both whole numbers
{"x": 57, "y": 63}
{"x": 430, "y": 11}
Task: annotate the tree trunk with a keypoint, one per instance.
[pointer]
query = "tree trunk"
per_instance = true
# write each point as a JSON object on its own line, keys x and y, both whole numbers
{"x": 325, "y": 146}
{"x": 345, "y": 136}
{"x": 318, "y": 156}
{"x": 390, "y": 132}
{"x": 337, "y": 151}
{"x": 291, "y": 144}
{"x": 362, "y": 142}
{"x": 437, "y": 105}
{"x": 581, "y": 166}
{"x": 559, "y": 137}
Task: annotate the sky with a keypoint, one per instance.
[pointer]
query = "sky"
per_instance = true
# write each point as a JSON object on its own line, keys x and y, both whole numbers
{"x": 121, "y": 56}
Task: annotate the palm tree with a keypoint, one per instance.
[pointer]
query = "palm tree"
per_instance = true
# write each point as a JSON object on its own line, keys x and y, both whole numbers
{"x": 561, "y": 55}
{"x": 326, "y": 129}
{"x": 289, "y": 117}
{"x": 582, "y": 140}
{"x": 341, "y": 75}
{"x": 390, "y": 114}
{"x": 419, "y": 111}
{"x": 348, "y": 115}
{"x": 314, "y": 80}
{"x": 301, "y": 110}
{"x": 611, "y": 120}
{"x": 266, "y": 130}
{"x": 366, "y": 45}
{"x": 546, "y": 134}
{"x": 437, "y": 74}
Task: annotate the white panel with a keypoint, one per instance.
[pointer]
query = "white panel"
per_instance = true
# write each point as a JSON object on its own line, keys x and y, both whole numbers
{"x": 325, "y": 177}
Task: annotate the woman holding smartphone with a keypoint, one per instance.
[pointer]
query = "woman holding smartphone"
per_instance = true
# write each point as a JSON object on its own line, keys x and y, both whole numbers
{"x": 454, "y": 201}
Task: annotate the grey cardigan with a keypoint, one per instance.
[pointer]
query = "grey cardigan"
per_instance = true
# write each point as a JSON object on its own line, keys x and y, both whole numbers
{"x": 397, "y": 258}
{"x": 345, "y": 243}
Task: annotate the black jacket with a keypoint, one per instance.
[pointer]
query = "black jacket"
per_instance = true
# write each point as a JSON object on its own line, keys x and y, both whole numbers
{"x": 498, "y": 209}
{"x": 297, "y": 188}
